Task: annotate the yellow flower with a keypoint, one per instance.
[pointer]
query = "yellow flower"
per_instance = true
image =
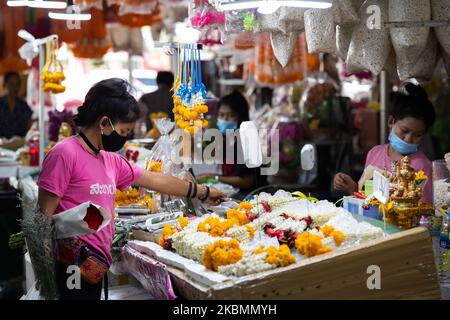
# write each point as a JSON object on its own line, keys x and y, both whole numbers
{"x": 237, "y": 217}
{"x": 421, "y": 176}
{"x": 183, "y": 222}
{"x": 280, "y": 257}
{"x": 156, "y": 166}
{"x": 221, "y": 253}
{"x": 245, "y": 206}
{"x": 250, "y": 231}
{"x": 327, "y": 230}
{"x": 214, "y": 226}
{"x": 310, "y": 245}
{"x": 338, "y": 237}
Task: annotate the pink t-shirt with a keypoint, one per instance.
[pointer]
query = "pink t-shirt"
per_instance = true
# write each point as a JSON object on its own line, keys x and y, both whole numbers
{"x": 379, "y": 157}
{"x": 77, "y": 176}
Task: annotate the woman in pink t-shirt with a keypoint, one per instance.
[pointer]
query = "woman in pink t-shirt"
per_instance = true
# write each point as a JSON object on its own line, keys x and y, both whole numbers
{"x": 85, "y": 168}
{"x": 412, "y": 115}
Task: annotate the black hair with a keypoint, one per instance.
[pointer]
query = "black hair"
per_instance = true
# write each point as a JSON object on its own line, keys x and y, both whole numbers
{"x": 111, "y": 98}
{"x": 8, "y": 76}
{"x": 414, "y": 103}
{"x": 165, "y": 77}
{"x": 238, "y": 104}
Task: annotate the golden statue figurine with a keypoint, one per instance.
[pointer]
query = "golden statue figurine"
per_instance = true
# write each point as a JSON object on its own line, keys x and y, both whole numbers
{"x": 65, "y": 131}
{"x": 404, "y": 183}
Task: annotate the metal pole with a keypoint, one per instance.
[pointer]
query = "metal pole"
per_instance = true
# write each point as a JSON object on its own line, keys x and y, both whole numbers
{"x": 384, "y": 93}
{"x": 41, "y": 105}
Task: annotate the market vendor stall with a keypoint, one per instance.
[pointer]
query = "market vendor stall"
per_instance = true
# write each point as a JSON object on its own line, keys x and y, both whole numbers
{"x": 405, "y": 258}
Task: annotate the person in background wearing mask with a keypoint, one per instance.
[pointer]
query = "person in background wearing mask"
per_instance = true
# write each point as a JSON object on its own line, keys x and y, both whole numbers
{"x": 15, "y": 114}
{"x": 161, "y": 100}
{"x": 412, "y": 116}
{"x": 85, "y": 168}
{"x": 233, "y": 109}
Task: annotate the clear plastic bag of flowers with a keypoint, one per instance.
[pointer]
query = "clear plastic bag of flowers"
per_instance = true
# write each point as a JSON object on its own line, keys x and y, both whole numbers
{"x": 204, "y": 16}
{"x": 317, "y": 107}
{"x": 289, "y": 134}
{"x": 237, "y": 21}
{"x": 160, "y": 158}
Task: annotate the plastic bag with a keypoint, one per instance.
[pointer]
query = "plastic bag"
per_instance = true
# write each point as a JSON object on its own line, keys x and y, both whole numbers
{"x": 160, "y": 159}
{"x": 292, "y": 19}
{"x": 316, "y": 107}
{"x": 423, "y": 67}
{"x": 239, "y": 21}
{"x": 86, "y": 218}
{"x": 320, "y": 30}
{"x": 369, "y": 49}
{"x": 343, "y": 39}
{"x": 346, "y": 11}
{"x": 409, "y": 43}
{"x": 268, "y": 22}
{"x": 283, "y": 46}
{"x": 440, "y": 10}
{"x": 205, "y": 17}
{"x": 152, "y": 274}
{"x": 33, "y": 293}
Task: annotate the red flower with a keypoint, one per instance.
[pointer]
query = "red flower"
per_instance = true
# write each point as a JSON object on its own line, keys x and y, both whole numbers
{"x": 93, "y": 218}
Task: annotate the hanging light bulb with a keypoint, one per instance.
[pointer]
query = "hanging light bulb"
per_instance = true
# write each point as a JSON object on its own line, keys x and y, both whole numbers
{"x": 73, "y": 13}
{"x": 44, "y": 4}
{"x": 17, "y": 3}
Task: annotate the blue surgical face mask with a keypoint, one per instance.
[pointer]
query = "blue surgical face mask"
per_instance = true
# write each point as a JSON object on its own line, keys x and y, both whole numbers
{"x": 400, "y": 146}
{"x": 224, "y": 125}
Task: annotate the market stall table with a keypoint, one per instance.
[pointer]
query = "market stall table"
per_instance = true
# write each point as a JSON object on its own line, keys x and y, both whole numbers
{"x": 405, "y": 260}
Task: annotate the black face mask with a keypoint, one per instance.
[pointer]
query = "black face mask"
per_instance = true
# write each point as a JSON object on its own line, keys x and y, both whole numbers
{"x": 114, "y": 142}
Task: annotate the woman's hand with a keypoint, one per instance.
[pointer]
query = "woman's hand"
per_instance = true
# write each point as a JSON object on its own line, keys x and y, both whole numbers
{"x": 343, "y": 182}
{"x": 215, "y": 196}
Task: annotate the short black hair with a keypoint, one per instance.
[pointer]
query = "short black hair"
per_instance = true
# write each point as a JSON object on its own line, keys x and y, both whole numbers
{"x": 8, "y": 76}
{"x": 413, "y": 102}
{"x": 238, "y": 104}
{"x": 111, "y": 98}
{"x": 165, "y": 77}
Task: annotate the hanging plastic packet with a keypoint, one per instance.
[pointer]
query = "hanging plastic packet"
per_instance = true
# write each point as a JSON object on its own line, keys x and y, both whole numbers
{"x": 320, "y": 30}
{"x": 409, "y": 43}
{"x": 369, "y": 48}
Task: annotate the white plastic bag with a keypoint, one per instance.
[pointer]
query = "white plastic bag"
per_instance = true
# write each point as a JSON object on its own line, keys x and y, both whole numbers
{"x": 292, "y": 19}
{"x": 440, "y": 10}
{"x": 32, "y": 294}
{"x": 343, "y": 39}
{"x": 283, "y": 46}
{"x": 369, "y": 49}
{"x": 320, "y": 30}
{"x": 346, "y": 11}
{"x": 74, "y": 222}
{"x": 251, "y": 144}
{"x": 423, "y": 67}
{"x": 409, "y": 43}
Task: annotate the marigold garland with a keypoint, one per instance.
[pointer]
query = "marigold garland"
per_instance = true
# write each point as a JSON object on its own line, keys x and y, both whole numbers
{"x": 214, "y": 226}
{"x": 280, "y": 257}
{"x": 329, "y": 231}
{"x": 250, "y": 231}
{"x": 310, "y": 245}
{"x": 169, "y": 230}
{"x": 237, "y": 217}
{"x": 245, "y": 206}
{"x": 221, "y": 253}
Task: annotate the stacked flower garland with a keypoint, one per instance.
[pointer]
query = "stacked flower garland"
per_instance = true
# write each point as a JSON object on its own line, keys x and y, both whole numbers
{"x": 52, "y": 73}
{"x": 190, "y": 94}
{"x": 225, "y": 245}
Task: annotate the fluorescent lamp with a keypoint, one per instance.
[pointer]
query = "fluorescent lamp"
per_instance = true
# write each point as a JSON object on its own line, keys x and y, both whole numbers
{"x": 47, "y": 4}
{"x": 268, "y": 7}
{"x": 17, "y": 3}
{"x": 250, "y": 4}
{"x": 69, "y": 16}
